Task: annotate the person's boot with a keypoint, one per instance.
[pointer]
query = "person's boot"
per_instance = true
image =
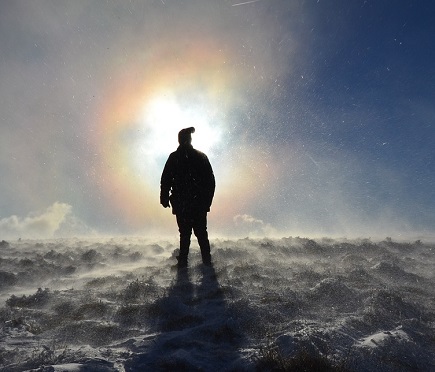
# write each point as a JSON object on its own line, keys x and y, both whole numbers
{"x": 184, "y": 252}
{"x": 182, "y": 262}
{"x": 205, "y": 253}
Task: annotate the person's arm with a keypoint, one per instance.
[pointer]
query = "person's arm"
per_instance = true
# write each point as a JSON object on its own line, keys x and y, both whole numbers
{"x": 210, "y": 182}
{"x": 166, "y": 183}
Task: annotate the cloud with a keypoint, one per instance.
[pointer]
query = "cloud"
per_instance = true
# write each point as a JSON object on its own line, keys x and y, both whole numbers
{"x": 249, "y": 225}
{"x": 36, "y": 224}
{"x": 72, "y": 226}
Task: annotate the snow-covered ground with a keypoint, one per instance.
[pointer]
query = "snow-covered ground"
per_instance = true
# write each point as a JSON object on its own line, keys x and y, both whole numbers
{"x": 117, "y": 305}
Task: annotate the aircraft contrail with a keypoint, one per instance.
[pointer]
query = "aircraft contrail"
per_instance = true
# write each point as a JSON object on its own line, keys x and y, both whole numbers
{"x": 246, "y": 2}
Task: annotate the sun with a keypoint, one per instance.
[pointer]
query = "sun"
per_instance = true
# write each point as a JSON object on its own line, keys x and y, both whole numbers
{"x": 159, "y": 122}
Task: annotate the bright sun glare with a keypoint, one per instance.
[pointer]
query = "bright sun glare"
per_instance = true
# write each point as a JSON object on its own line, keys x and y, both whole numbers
{"x": 159, "y": 123}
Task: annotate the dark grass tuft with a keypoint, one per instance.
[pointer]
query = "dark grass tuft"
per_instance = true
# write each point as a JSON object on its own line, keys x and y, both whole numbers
{"x": 39, "y": 299}
{"x": 271, "y": 359}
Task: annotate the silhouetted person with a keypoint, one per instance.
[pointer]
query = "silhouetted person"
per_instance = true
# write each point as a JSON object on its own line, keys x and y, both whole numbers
{"x": 188, "y": 185}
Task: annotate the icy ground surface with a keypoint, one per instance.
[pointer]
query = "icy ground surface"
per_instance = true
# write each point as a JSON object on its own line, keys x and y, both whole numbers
{"x": 116, "y": 305}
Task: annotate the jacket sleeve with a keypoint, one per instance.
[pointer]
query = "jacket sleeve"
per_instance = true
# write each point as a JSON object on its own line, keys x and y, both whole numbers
{"x": 166, "y": 182}
{"x": 210, "y": 182}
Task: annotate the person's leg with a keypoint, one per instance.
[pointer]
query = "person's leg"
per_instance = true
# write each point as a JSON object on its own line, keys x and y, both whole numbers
{"x": 200, "y": 230}
{"x": 185, "y": 229}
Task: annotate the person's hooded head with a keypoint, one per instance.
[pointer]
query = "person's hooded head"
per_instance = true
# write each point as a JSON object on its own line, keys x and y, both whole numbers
{"x": 185, "y": 136}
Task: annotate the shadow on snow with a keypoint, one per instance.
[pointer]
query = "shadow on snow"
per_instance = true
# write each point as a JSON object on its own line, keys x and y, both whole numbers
{"x": 195, "y": 329}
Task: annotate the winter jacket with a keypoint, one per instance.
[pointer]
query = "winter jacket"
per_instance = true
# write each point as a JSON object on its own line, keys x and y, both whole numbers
{"x": 187, "y": 181}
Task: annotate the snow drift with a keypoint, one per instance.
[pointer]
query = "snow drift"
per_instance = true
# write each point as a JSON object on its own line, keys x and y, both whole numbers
{"x": 117, "y": 305}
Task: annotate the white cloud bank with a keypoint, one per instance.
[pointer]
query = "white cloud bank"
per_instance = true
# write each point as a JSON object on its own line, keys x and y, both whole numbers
{"x": 45, "y": 224}
{"x": 251, "y": 226}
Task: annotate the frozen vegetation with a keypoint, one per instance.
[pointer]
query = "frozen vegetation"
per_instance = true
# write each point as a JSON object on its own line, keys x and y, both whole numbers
{"x": 287, "y": 304}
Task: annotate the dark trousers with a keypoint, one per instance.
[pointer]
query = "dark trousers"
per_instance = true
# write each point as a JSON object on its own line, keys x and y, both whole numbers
{"x": 197, "y": 223}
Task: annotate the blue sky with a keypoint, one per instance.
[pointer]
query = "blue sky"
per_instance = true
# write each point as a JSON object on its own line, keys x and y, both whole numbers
{"x": 322, "y": 114}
